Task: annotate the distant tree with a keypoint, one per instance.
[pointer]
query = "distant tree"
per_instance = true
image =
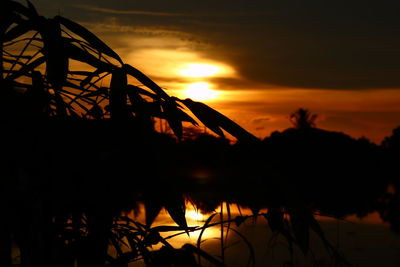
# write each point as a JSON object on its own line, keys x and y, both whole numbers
{"x": 393, "y": 141}
{"x": 303, "y": 119}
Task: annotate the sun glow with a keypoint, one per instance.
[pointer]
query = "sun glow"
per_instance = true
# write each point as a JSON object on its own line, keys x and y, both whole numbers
{"x": 195, "y": 215}
{"x": 200, "y": 91}
{"x": 201, "y": 70}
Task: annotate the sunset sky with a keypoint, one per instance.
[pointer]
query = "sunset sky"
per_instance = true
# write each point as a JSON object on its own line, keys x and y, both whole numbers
{"x": 257, "y": 61}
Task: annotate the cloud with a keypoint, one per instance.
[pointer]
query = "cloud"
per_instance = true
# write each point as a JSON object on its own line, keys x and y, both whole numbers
{"x": 300, "y": 44}
{"x": 129, "y": 12}
{"x": 261, "y": 120}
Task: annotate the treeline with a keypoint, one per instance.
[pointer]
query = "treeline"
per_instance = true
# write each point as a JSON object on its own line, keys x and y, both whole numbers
{"x": 327, "y": 171}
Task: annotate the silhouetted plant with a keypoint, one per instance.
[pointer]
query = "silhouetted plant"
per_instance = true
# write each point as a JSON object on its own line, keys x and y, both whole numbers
{"x": 303, "y": 119}
{"x": 40, "y": 88}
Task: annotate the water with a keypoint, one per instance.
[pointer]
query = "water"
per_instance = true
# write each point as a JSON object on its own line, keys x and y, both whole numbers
{"x": 363, "y": 242}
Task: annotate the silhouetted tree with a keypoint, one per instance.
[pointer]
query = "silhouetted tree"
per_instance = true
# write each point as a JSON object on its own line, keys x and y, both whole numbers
{"x": 302, "y": 119}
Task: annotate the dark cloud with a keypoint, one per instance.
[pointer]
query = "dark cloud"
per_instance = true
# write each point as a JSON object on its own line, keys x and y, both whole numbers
{"x": 261, "y": 120}
{"x": 308, "y": 44}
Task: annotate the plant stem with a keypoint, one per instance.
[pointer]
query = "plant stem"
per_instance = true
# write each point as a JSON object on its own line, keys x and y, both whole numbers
{"x": 222, "y": 233}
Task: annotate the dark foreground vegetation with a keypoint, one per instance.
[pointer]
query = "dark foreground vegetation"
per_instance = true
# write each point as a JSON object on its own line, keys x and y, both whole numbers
{"x": 79, "y": 149}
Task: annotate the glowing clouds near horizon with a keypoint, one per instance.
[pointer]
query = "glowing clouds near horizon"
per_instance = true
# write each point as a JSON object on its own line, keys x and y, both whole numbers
{"x": 200, "y": 70}
{"x": 200, "y": 91}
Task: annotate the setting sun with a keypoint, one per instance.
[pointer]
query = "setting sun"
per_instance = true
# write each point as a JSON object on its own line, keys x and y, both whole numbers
{"x": 195, "y": 70}
{"x": 195, "y": 215}
{"x": 200, "y": 91}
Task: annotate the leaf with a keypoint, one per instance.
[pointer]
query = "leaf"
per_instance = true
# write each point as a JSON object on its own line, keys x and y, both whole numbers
{"x": 215, "y": 121}
{"x": 92, "y": 39}
{"x": 145, "y": 80}
{"x": 202, "y": 112}
{"x": 78, "y": 54}
{"x": 147, "y": 93}
{"x": 118, "y": 94}
{"x": 20, "y": 29}
{"x": 171, "y": 114}
{"x": 13, "y": 6}
{"x": 32, "y": 10}
{"x": 176, "y": 208}
{"x": 182, "y": 116}
{"x": 27, "y": 68}
{"x": 205, "y": 226}
{"x": 167, "y": 228}
{"x": 90, "y": 76}
{"x": 133, "y": 94}
{"x": 96, "y": 112}
{"x": 239, "y": 220}
{"x": 275, "y": 219}
{"x": 98, "y": 92}
{"x": 152, "y": 209}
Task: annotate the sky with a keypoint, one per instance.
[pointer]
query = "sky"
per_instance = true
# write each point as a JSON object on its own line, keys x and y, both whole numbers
{"x": 258, "y": 61}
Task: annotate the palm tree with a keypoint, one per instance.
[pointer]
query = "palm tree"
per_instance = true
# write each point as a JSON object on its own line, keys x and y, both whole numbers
{"x": 302, "y": 119}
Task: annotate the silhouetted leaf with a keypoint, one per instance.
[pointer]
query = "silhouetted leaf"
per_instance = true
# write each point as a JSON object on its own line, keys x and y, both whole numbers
{"x": 147, "y": 93}
{"x": 205, "y": 226}
{"x": 239, "y": 220}
{"x": 167, "y": 228}
{"x": 133, "y": 94}
{"x": 96, "y": 112}
{"x": 92, "y": 39}
{"x": 182, "y": 116}
{"x": 78, "y": 54}
{"x": 90, "y": 76}
{"x": 152, "y": 209}
{"x": 18, "y": 30}
{"x": 175, "y": 205}
{"x": 98, "y": 92}
{"x": 215, "y": 121}
{"x": 72, "y": 85}
{"x": 171, "y": 113}
{"x": 145, "y": 80}
{"x": 118, "y": 94}
{"x": 254, "y": 209}
{"x": 275, "y": 219}
{"x": 32, "y": 10}
{"x": 12, "y": 6}
{"x": 153, "y": 238}
{"x": 37, "y": 96}
{"x": 27, "y": 68}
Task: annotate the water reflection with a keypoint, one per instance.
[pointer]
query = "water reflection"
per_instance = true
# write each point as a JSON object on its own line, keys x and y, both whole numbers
{"x": 352, "y": 236}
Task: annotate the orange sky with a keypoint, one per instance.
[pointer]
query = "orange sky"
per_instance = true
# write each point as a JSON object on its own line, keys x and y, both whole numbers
{"x": 260, "y": 108}
{"x": 260, "y": 61}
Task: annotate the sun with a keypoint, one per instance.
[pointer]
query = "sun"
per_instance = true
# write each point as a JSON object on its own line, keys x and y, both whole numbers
{"x": 200, "y": 91}
{"x": 200, "y": 70}
{"x": 195, "y": 215}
